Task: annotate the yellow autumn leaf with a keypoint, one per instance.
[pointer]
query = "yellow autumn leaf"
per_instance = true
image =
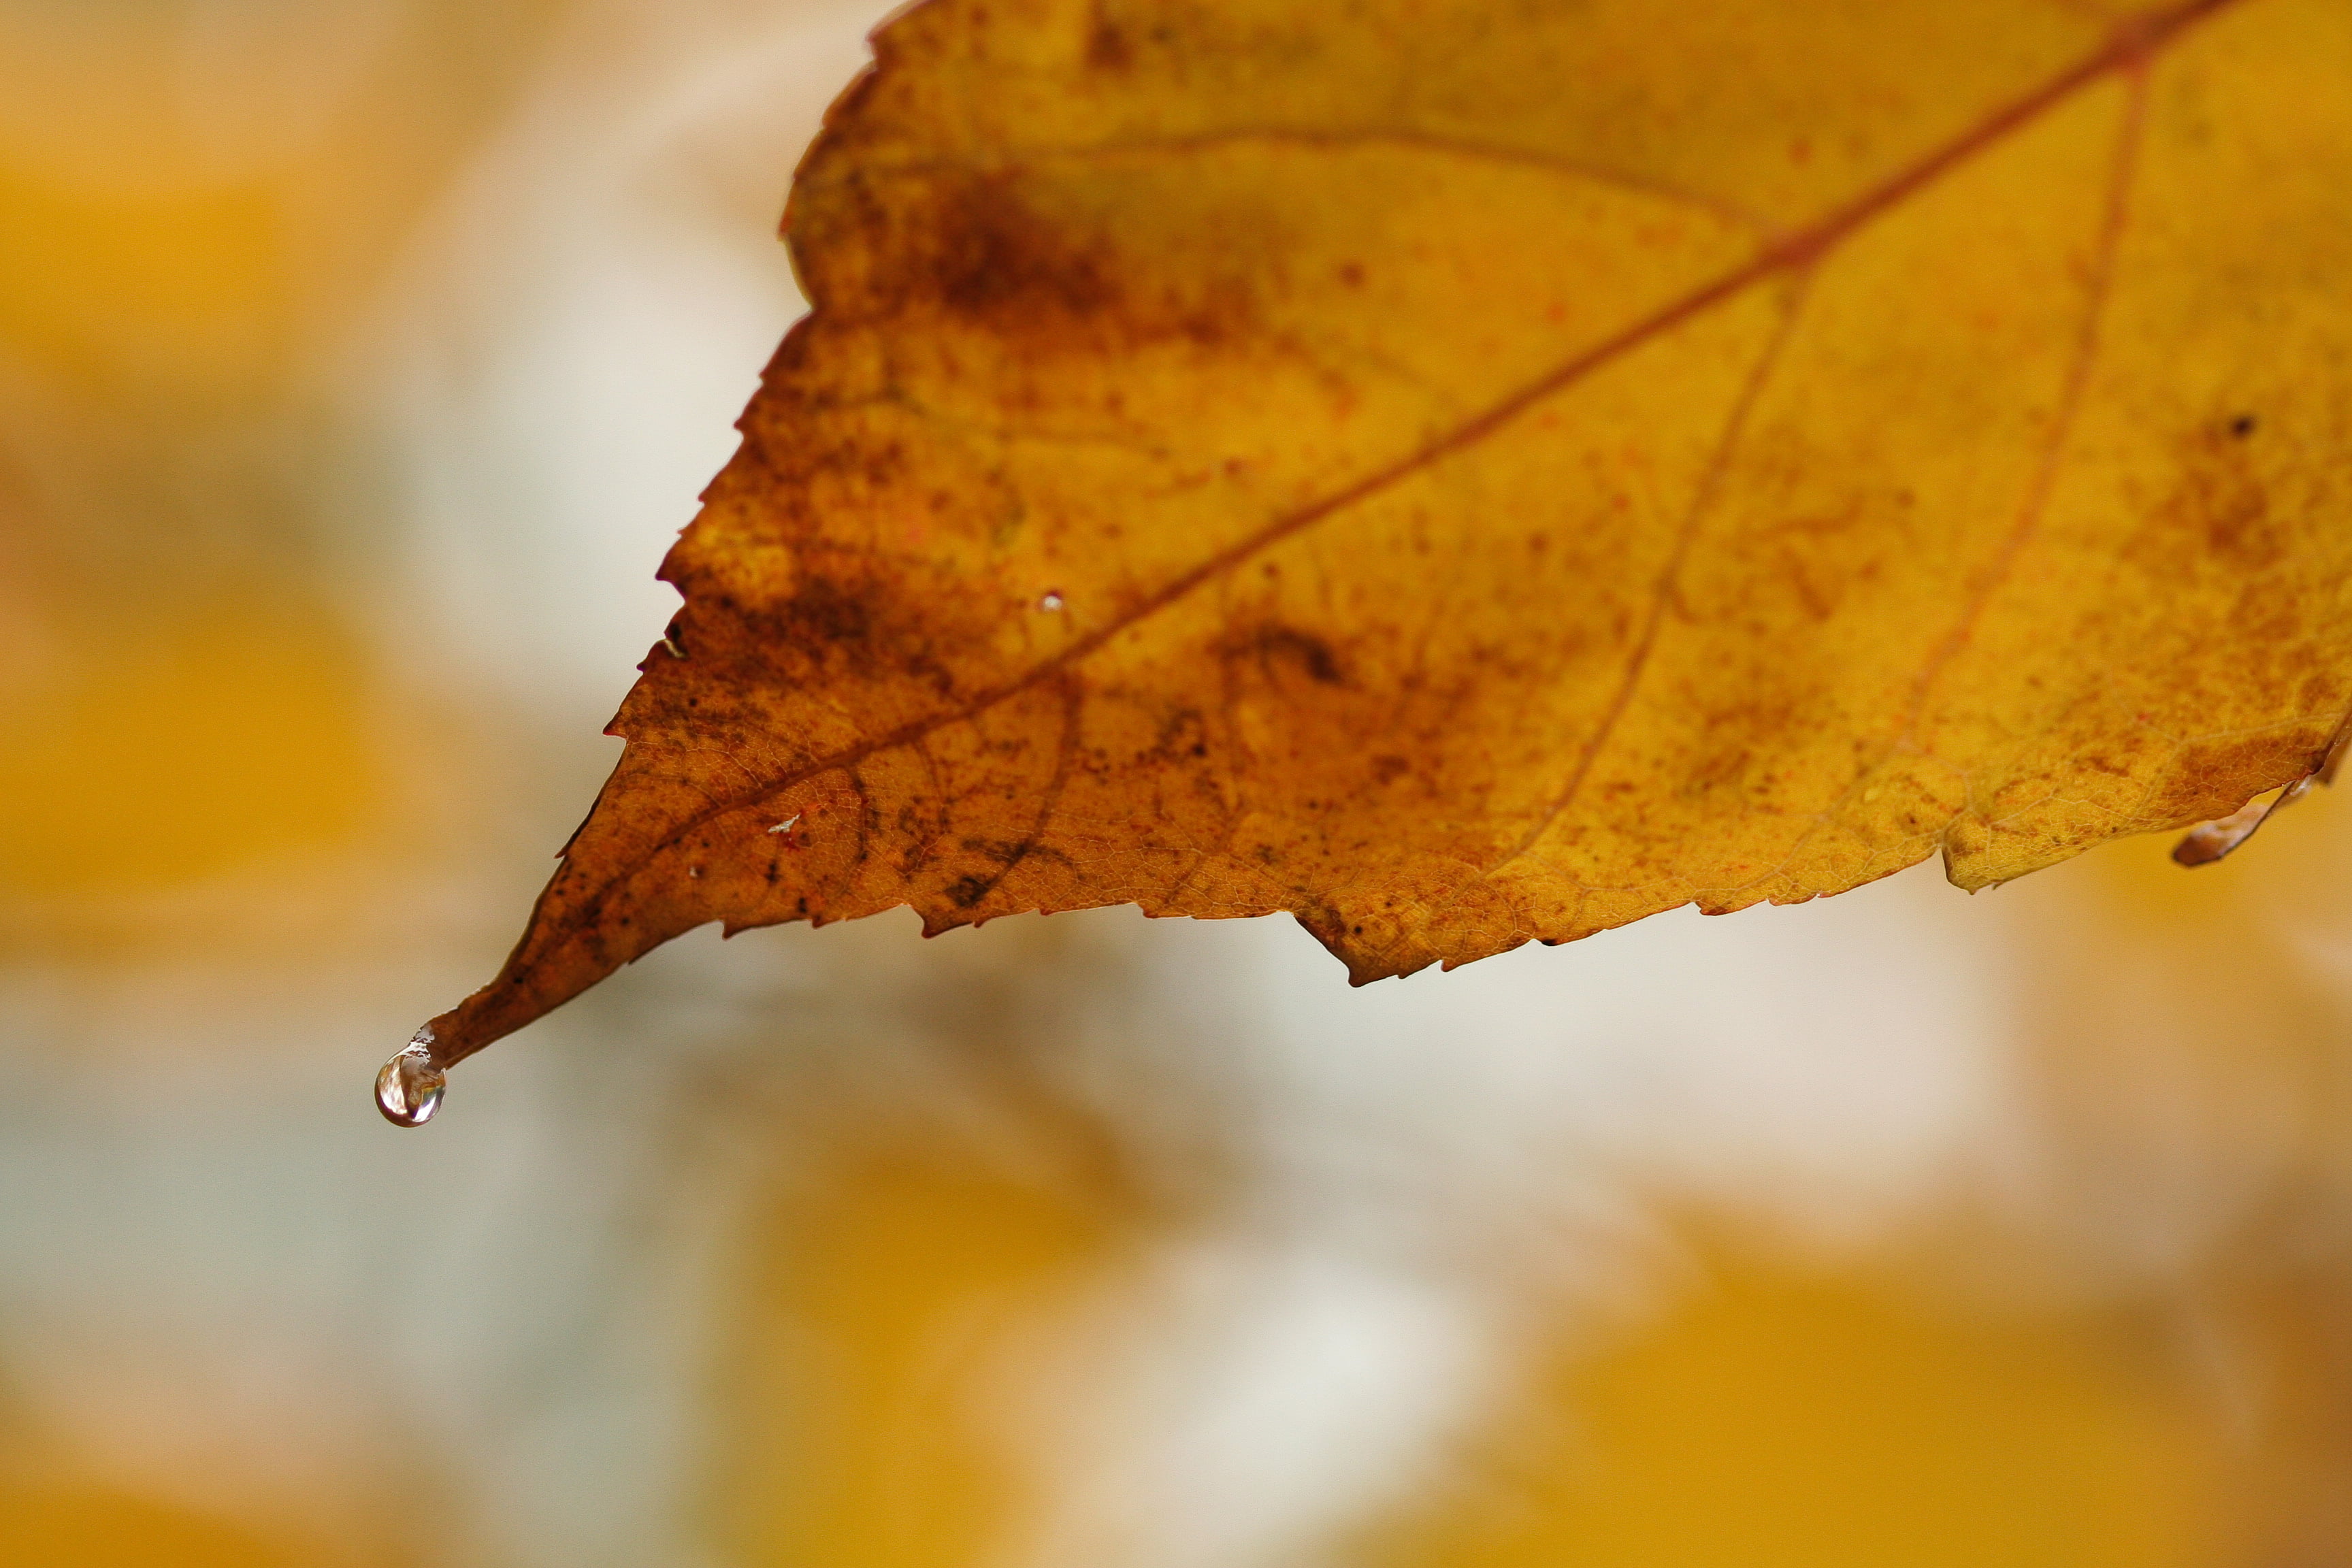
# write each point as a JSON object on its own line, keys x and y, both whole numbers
{"x": 1467, "y": 473}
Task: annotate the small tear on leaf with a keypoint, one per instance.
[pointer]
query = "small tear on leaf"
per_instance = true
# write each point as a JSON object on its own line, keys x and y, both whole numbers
{"x": 786, "y": 825}
{"x": 2210, "y": 841}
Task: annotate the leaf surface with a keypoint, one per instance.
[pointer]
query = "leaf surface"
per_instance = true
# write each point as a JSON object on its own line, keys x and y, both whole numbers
{"x": 1467, "y": 473}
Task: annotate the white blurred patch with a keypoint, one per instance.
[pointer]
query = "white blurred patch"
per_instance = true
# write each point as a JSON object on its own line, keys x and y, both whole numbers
{"x": 581, "y": 326}
{"x": 1439, "y": 1175}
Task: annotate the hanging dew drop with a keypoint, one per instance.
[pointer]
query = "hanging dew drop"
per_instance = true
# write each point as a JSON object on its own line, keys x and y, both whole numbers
{"x": 408, "y": 1090}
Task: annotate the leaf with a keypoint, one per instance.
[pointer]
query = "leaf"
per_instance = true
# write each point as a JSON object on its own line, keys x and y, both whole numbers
{"x": 1468, "y": 472}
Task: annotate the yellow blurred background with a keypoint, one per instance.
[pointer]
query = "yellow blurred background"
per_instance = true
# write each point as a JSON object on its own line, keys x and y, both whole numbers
{"x": 357, "y": 359}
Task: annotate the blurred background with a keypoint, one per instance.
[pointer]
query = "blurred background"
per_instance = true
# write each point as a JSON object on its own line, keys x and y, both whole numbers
{"x": 358, "y": 359}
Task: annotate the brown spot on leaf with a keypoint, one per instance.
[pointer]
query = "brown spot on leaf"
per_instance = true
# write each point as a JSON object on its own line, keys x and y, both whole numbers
{"x": 995, "y": 253}
{"x": 2219, "y": 506}
{"x": 997, "y": 257}
{"x": 829, "y": 612}
{"x": 1106, "y": 46}
{"x": 1276, "y": 646}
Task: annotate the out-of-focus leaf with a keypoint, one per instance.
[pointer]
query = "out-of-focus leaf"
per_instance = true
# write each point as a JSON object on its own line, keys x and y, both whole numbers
{"x": 1468, "y": 474}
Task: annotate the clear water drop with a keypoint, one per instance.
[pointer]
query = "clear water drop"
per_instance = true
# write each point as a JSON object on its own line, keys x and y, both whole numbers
{"x": 408, "y": 1090}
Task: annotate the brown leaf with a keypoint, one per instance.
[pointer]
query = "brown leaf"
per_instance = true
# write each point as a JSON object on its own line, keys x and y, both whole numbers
{"x": 1468, "y": 474}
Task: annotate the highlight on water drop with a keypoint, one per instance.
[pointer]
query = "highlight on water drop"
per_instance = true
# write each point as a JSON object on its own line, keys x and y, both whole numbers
{"x": 408, "y": 1090}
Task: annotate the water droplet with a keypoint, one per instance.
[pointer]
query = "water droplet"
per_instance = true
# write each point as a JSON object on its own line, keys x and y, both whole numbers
{"x": 408, "y": 1090}
{"x": 1050, "y": 603}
